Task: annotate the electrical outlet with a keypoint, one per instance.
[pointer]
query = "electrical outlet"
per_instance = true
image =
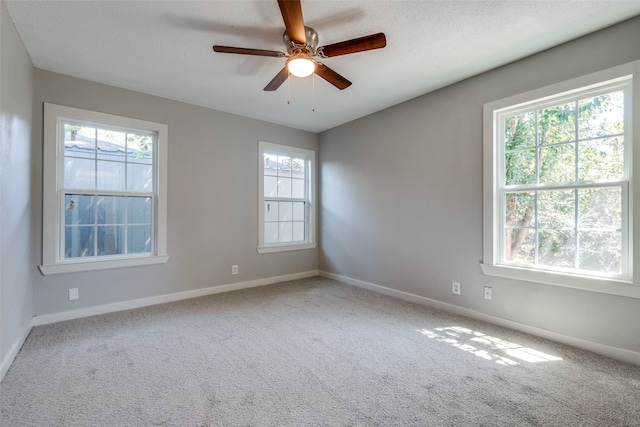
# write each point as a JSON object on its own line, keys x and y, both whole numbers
{"x": 488, "y": 292}
{"x": 455, "y": 288}
{"x": 234, "y": 269}
{"x": 73, "y": 294}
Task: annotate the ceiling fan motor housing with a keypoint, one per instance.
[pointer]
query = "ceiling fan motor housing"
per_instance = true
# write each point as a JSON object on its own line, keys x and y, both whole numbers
{"x": 309, "y": 48}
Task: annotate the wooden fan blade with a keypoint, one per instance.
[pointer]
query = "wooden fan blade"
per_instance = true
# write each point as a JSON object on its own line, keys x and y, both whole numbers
{"x": 244, "y": 51}
{"x": 278, "y": 80}
{"x": 332, "y": 77}
{"x": 373, "y": 41}
{"x": 292, "y": 15}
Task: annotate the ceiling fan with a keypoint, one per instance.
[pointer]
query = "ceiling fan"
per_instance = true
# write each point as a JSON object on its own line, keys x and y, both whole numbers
{"x": 302, "y": 46}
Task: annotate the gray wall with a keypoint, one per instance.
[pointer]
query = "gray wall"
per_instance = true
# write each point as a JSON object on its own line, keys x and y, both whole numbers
{"x": 212, "y": 199}
{"x": 401, "y": 198}
{"x": 17, "y": 260}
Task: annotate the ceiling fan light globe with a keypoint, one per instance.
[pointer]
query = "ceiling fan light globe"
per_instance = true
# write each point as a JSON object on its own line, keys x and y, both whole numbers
{"x": 301, "y": 66}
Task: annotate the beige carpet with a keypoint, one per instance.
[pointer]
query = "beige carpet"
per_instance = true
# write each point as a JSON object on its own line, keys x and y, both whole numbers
{"x": 308, "y": 352}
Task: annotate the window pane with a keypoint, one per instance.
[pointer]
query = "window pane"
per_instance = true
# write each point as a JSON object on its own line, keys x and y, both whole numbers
{"x": 78, "y": 241}
{"x": 520, "y": 245}
{"x": 297, "y": 168}
{"x": 79, "y": 209}
{"x": 284, "y": 166}
{"x": 139, "y": 239}
{"x": 520, "y": 131}
{"x": 520, "y": 213}
{"x": 111, "y": 176}
{"x": 557, "y": 248}
{"x": 602, "y": 115}
{"x": 285, "y": 211}
{"x": 284, "y": 187}
{"x": 557, "y": 124}
{"x": 556, "y": 209}
{"x": 271, "y": 211}
{"x": 557, "y": 163}
{"x": 520, "y": 167}
{"x": 111, "y": 209}
{"x": 139, "y": 178}
{"x": 298, "y": 232}
{"x": 271, "y": 232}
{"x": 297, "y": 188}
{"x": 600, "y": 208}
{"x": 111, "y": 240}
{"x": 79, "y": 174}
{"x": 270, "y": 164}
{"x": 79, "y": 141}
{"x": 520, "y": 209}
{"x": 270, "y": 186}
{"x": 298, "y": 211}
{"x": 285, "y": 232}
{"x": 111, "y": 145}
{"x": 601, "y": 251}
{"x": 601, "y": 159}
{"x": 139, "y": 210}
{"x": 139, "y": 148}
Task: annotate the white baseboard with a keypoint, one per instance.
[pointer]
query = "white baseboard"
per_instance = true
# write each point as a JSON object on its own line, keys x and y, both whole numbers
{"x": 13, "y": 352}
{"x": 621, "y": 354}
{"x": 161, "y": 299}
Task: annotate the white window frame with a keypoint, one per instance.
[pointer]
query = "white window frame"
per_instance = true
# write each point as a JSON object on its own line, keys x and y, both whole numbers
{"x": 53, "y": 261}
{"x": 493, "y": 154}
{"x": 310, "y": 222}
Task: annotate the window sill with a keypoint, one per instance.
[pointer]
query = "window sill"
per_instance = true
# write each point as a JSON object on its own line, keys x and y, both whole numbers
{"x": 587, "y": 283}
{"x": 77, "y": 266}
{"x": 271, "y": 249}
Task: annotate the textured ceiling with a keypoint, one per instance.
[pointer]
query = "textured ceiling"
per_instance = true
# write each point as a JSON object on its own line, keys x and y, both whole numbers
{"x": 165, "y": 48}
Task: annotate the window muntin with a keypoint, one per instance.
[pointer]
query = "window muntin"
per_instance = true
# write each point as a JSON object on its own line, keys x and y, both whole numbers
{"x": 108, "y": 191}
{"x": 285, "y": 198}
{"x": 286, "y": 194}
{"x": 107, "y": 159}
{"x": 563, "y": 183}
{"x": 104, "y": 202}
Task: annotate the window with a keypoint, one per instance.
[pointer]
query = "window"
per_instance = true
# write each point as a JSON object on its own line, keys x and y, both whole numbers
{"x": 104, "y": 191}
{"x": 286, "y": 198}
{"x": 558, "y": 185}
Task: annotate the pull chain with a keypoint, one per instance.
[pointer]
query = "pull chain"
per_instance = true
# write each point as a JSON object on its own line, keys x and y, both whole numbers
{"x": 313, "y": 92}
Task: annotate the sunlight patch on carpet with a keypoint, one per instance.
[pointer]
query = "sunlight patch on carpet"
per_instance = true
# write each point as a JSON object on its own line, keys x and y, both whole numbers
{"x": 487, "y": 347}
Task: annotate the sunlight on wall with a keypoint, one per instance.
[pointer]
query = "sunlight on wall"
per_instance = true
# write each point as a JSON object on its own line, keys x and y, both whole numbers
{"x": 487, "y": 347}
